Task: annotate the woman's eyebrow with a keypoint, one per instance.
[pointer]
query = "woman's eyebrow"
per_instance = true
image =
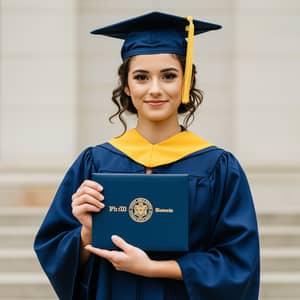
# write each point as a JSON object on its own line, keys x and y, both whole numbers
{"x": 140, "y": 71}
{"x": 161, "y": 71}
{"x": 169, "y": 69}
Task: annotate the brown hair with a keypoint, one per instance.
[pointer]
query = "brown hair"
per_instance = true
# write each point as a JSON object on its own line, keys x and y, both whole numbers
{"x": 124, "y": 102}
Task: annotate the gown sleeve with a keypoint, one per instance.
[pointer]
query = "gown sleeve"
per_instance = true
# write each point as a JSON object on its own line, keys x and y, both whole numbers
{"x": 229, "y": 267}
{"x": 57, "y": 242}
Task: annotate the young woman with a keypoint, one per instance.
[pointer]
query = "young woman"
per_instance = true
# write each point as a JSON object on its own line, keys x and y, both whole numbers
{"x": 223, "y": 258}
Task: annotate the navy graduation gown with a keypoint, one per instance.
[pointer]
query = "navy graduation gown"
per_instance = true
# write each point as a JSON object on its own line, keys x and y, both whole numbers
{"x": 223, "y": 261}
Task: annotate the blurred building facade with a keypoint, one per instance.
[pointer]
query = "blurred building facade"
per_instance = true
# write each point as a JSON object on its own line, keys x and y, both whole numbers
{"x": 56, "y": 82}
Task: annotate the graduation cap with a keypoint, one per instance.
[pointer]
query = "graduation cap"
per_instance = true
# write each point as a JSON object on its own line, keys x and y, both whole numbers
{"x": 156, "y": 33}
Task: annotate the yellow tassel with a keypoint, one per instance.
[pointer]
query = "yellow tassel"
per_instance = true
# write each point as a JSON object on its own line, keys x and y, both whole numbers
{"x": 189, "y": 62}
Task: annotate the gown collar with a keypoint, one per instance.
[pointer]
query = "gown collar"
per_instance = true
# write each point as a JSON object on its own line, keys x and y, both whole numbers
{"x": 168, "y": 151}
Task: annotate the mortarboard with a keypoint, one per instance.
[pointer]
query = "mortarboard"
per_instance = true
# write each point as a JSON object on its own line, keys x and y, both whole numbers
{"x": 157, "y": 32}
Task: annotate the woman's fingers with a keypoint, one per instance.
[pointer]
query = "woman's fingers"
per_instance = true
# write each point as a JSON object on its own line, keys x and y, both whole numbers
{"x": 89, "y": 191}
{"x": 87, "y": 199}
{"x": 121, "y": 243}
{"x": 100, "y": 252}
{"x": 115, "y": 257}
{"x": 92, "y": 184}
{"x": 85, "y": 208}
{"x": 129, "y": 258}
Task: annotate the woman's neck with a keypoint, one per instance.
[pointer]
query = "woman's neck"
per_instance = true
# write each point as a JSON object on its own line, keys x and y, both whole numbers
{"x": 157, "y": 132}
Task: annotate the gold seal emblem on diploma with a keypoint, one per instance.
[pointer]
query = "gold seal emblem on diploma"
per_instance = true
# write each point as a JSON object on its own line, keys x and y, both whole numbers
{"x": 140, "y": 210}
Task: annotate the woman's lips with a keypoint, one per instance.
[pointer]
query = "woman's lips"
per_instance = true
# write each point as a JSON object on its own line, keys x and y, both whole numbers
{"x": 155, "y": 102}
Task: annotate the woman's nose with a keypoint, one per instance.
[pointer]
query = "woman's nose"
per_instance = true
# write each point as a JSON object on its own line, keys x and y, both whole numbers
{"x": 155, "y": 88}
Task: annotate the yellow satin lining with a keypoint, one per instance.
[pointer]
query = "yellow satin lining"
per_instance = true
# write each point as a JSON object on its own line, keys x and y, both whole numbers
{"x": 153, "y": 155}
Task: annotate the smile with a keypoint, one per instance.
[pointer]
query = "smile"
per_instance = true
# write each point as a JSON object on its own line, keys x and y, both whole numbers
{"x": 155, "y": 102}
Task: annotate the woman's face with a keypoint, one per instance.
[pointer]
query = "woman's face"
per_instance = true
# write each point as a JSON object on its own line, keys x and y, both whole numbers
{"x": 155, "y": 85}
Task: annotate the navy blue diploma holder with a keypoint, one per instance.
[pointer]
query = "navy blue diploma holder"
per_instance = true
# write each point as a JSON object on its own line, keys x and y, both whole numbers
{"x": 149, "y": 211}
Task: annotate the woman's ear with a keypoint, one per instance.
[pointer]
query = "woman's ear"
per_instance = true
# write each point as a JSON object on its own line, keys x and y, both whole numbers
{"x": 127, "y": 91}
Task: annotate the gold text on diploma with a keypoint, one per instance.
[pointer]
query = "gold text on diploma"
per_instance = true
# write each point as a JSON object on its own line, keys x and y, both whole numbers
{"x": 164, "y": 210}
{"x": 121, "y": 208}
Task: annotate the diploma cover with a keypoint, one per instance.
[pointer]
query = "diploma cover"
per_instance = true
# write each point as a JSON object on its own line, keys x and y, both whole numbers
{"x": 149, "y": 211}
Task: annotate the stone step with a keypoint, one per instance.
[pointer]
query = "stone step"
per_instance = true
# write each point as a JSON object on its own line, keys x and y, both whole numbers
{"x": 19, "y": 260}
{"x": 279, "y": 236}
{"x": 25, "y": 286}
{"x": 276, "y": 298}
{"x": 280, "y": 260}
{"x": 22, "y": 216}
{"x": 286, "y": 218}
{"x": 284, "y": 286}
{"x": 17, "y": 237}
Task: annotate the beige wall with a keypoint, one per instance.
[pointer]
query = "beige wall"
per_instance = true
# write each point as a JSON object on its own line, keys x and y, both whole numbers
{"x": 56, "y": 82}
{"x": 38, "y": 82}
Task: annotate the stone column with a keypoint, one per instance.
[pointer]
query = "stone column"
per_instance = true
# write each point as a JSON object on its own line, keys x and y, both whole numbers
{"x": 266, "y": 122}
{"x": 38, "y": 107}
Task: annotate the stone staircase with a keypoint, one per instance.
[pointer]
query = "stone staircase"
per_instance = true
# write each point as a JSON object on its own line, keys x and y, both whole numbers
{"x": 21, "y": 276}
{"x": 280, "y": 252}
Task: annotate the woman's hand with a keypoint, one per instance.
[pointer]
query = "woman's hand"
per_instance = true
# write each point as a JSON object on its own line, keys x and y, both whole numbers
{"x": 87, "y": 199}
{"x": 131, "y": 259}
{"x": 134, "y": 260}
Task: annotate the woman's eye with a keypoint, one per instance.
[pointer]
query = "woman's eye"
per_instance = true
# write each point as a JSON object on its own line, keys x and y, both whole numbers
{"x": 169, "y": 76}
{"x": 140, "y": 77}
